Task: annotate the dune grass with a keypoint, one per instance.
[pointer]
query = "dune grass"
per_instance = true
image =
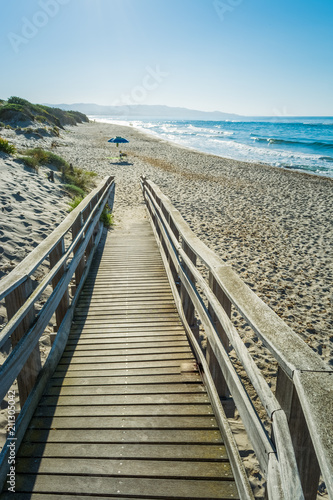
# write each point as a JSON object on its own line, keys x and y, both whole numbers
{"x": 77, "y": 181}
{"x": 6, "y": 147}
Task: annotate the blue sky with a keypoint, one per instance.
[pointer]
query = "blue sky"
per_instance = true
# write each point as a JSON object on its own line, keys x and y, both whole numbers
{"x": 251, "y": 57}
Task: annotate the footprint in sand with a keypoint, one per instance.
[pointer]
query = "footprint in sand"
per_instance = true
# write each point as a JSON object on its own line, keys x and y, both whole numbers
{"x": 18, "y": 197}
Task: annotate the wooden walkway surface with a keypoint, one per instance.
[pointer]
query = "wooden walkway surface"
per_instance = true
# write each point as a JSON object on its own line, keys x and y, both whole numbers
{"x": 125, "y": 414}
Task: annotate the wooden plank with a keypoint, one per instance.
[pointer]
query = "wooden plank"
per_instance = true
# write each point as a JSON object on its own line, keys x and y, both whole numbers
{"x": 125, "y": 422}
{"x": 127, "y": 410}
{"x": 103, "y": 309}
{"x": 132, "y": 468}
{"x": 108, "y": 314}
{"x": 143, "y": 324}
{"x": 165, "y": 436}
{"x": 122, "y": 365}
{"x": 125, "y": 358}
{"x": 200, "y": 452}
{"x": 142, "y": 380}
{"x": 94, "y": 351}
{"x": 127, "y": 399}
{"x": 150, "y": 341}
{"x": 86, "y": 375}
{"x": 73, "y": 389}
{"x": 121, "y": 330}
{"x": 128, "y": 316}
{"x": 113, "y": 487}
{"x": 128, "y": 346}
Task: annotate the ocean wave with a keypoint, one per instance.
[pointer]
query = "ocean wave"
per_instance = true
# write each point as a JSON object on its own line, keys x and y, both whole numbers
{"x": 316, "y": 144}
{"x": 326, "y": 158}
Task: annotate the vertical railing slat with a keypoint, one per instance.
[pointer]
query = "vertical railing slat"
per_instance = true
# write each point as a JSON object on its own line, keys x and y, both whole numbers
{"x": 307, "y": 462}
{"x": 27, "y": 378}
{"x": 55, "y": 255}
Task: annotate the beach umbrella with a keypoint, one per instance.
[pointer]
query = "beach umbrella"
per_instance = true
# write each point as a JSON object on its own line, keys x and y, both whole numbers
{"x": 118, "y": 140}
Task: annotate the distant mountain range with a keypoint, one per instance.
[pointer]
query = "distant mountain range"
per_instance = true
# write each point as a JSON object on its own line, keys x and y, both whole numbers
{"x": 146, "y": 111}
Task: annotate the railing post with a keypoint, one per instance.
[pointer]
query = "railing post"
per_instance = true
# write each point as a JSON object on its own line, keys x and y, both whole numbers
{"x": 28, "y": 375}
{"x": 215, "y": 370}
{"x": 307, "y": 462}
{"x": 85, "y": 215}
{"x": 55, "y": 255}
{"x": 76, "y": 228}
{"x": 175, "y": 231}
{"x": 188, "y": 307}
{"x": 91, "y": 240}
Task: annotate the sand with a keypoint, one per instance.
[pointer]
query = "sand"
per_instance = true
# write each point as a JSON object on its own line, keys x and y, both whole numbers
{"x": 272, "y": 226}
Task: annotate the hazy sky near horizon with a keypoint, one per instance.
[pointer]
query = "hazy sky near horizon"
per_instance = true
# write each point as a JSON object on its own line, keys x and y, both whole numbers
{"x": 251, "y": 57}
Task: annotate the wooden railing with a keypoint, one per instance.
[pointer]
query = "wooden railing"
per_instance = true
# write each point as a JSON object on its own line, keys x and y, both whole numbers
{"x": 69, "y": 252}
{"x": 300, "y": 443}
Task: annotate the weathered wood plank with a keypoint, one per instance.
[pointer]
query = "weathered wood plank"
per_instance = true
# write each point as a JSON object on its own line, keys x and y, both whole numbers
{"x": 94, "y": 351}
{"x": 127, "y": 372}
{"x": 121, "y": 365}
{"x": 165, "y": 436}
{"x": 167, "y": 488}
{"x": 106, "y": 410}
{"x": 128, "y": 346}
{"x": 87, "y": 367}
{"x": 129, "y": 358}
{"x": 201, "y": 452}
{"x": 125, "y": 422}
{"x": 127, "y": 399}
{"x": 159, "y": 382}
{"x": 73, "y": 389}
{"x": 132, "y": 468}
{"x": 167, "y": 340}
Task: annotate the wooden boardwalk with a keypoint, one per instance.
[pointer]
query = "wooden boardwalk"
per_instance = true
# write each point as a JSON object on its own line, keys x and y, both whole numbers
{"x": 125, "y": 414}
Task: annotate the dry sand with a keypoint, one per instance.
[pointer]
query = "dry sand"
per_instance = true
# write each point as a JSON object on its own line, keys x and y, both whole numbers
{"x": 272, "y": 226}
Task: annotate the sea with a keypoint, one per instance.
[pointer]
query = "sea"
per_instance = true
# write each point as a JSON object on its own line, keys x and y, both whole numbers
{"x": 303, "y": 144}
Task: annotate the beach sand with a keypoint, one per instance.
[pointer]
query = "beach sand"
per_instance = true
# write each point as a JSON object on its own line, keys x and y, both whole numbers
{"x": 272, "y": 226}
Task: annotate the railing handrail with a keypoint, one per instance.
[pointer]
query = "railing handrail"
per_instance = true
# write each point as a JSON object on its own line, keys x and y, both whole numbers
{"x": 31, "y": 262}
{"x": 274, "y": 333}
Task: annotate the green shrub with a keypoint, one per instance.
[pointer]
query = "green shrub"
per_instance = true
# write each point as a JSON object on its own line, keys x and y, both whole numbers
{"x": 18, "y": 100}
{"x": 75, "y": 202}
{"x": 55, "y": 131}
{"x": 74, "y": 189}
{"x": 46, "y": 157}
{"x": 31, "y": 162}
{"x": 56, "y": 160}
{"x": 107, "y": 217}
{"x": 39, "y": 154}
{"x": 2, "y": 124}
{"x": 5, "y": 147}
